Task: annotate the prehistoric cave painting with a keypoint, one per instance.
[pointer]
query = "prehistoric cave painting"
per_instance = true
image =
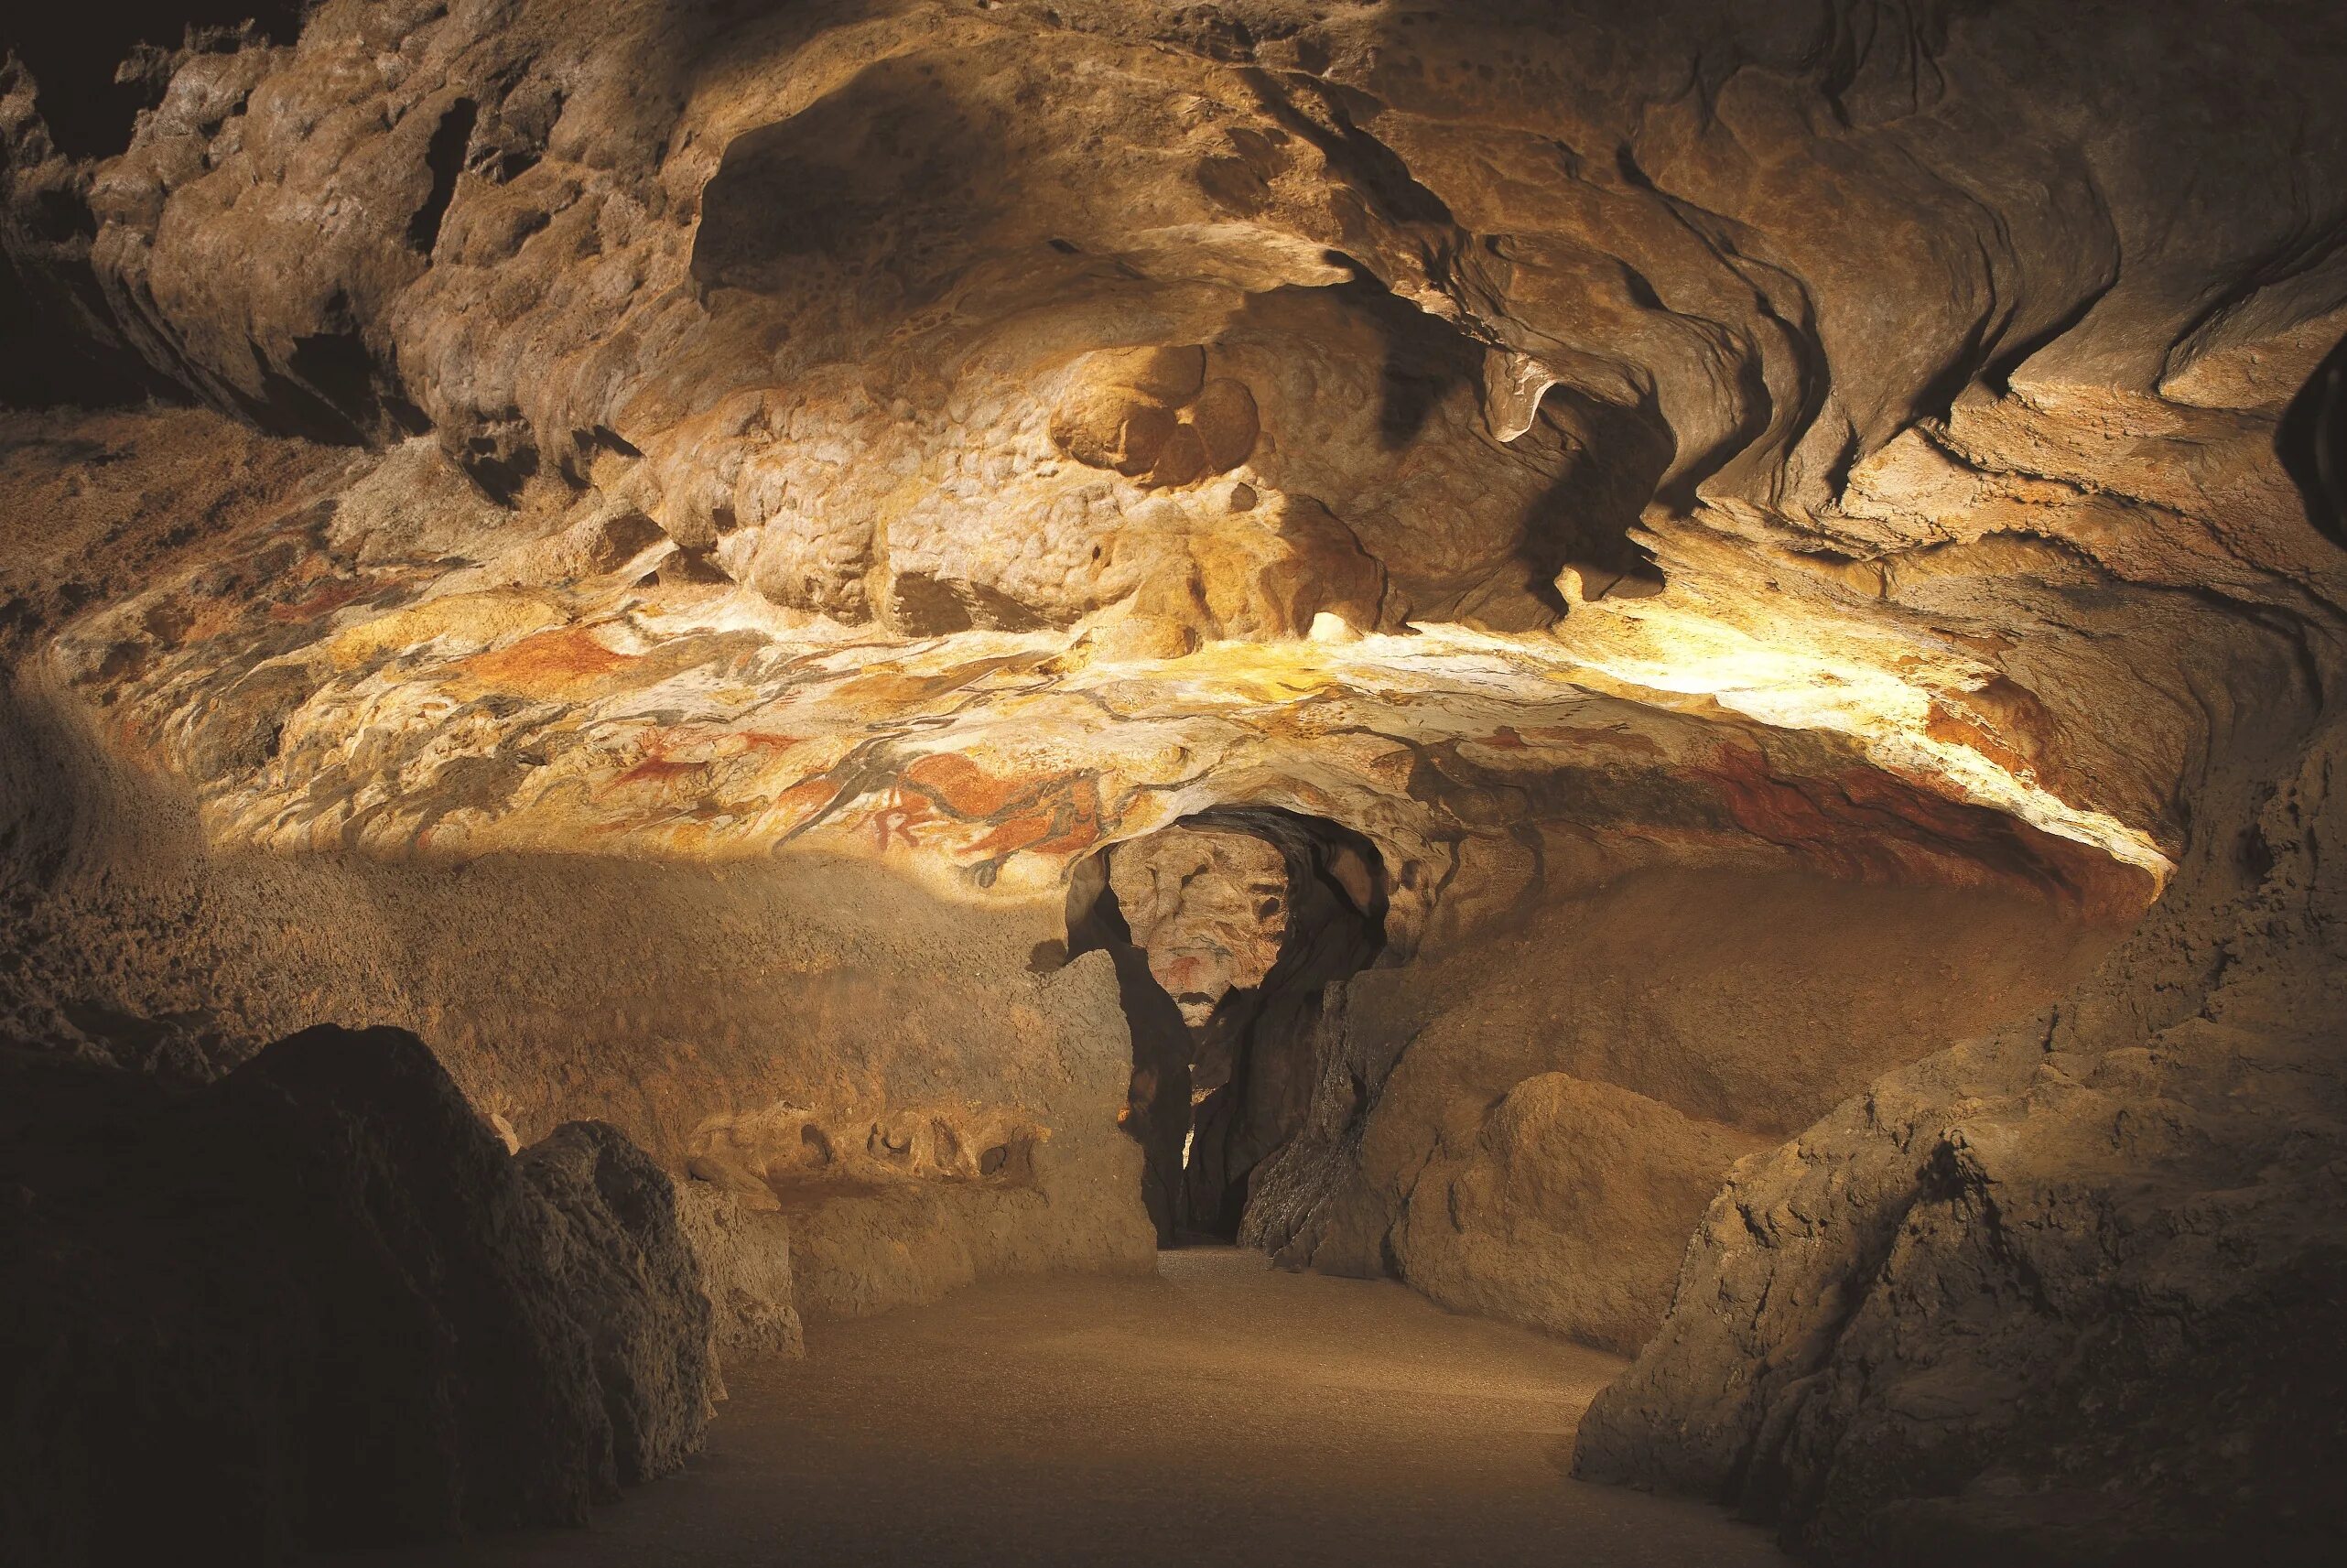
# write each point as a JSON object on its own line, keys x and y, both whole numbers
{"x": 1320, "y": 485}
{"x": 1055, "y": 813}
{"x": 322, "y": 689}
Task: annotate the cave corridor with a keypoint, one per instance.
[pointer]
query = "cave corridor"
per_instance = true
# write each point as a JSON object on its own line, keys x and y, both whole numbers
{"x": 981, "y": 782}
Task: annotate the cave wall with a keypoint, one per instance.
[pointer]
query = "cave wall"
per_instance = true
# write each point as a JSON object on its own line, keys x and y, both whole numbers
{"x": 206, "y": 1283}
{"x": 2071, "y": 1287}
{"x": 964, "y": 1107}
{"x": 869, "y": 1053}
{"x": 1528, "y": 1124}
{"x": 775, "y": 1025}
{"x": 777, "y": 492}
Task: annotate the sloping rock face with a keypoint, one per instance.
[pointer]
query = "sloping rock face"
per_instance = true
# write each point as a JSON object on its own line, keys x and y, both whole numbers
{"x": 1513, "y": 1233}
{"x": 316, "y": 1303}
{"x": 699, "y": 525}
{"x": 2074, "y": 1286}
{"x": 1530, "y": 1127}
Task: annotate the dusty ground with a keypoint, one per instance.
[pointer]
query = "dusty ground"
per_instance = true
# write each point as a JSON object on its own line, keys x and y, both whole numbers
{"x": 1222, "y": 1413}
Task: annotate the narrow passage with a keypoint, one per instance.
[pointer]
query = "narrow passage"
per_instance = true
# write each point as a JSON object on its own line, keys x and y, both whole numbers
{"x": 1221, "y": 1413}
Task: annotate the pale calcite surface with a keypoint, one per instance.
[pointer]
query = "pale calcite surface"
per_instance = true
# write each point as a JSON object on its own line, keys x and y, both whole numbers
{"x": 1209, "y": 905}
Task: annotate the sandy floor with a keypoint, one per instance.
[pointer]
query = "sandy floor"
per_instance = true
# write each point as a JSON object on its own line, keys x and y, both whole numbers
{"x": 1223, "y": 1414}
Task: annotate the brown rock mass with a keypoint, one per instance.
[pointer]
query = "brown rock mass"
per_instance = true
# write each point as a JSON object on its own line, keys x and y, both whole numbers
{"x": 206, "y": 1286}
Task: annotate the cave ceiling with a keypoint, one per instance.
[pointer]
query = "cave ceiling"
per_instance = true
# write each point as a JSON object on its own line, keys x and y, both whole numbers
{"x": 968, "y": 435}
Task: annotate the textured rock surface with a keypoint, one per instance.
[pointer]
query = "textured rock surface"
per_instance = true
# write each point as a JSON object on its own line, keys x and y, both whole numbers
{"x": 625, "y": 1268}
{"x": 2075, "y": 1285}
{"x": 745, "y": 1258}
{"x": 1568, "y": 1209}
{"x": 1447, "y": 1138}
{"x": 206, "y": 1287}
{"x": 693, "y": 1007}
{"x": 1210, "y": 908}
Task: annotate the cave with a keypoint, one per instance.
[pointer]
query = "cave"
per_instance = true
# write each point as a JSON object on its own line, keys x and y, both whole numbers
{"x": 1127, "y": 780}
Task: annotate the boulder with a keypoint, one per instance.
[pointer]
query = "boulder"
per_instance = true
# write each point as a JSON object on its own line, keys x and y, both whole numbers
{"x": 745, "y": 1256}
{"x": 317, "y": 1303}
{"x": 1569, "y": 1205}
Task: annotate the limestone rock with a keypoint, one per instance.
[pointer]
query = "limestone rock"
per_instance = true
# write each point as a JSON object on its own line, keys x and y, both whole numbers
{"x": 2059, "y": 1289}
{"x": 1209, "y": 906}
{"x": 626, "y": 1266}
{"x": 341, "y": 1313}
{"x": 1528, "y": 1127}
{"x": 1123, "y": 407}
{"x": 1569, "y": 1208}
{"x": 703, "y": 532}
{"x": 745, "y": 1258}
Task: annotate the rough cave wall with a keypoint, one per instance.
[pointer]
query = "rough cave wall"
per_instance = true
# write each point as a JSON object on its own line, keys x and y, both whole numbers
{"x": 1244, "y": 917}
{"x": 961, "y": 1107}
{"x": 207, "y": 1282}
{"x": 869, "y": 1056}
{"x": 1527, "y": 1120}
{"x": 2075, "y": 1284}
{"x": 1528, "y": 1125}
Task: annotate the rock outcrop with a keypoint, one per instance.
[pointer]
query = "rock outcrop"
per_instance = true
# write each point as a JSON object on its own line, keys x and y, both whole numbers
{"x": 745, "y": 1258}
{"x": 316, "y": 1303}
{"x": 1530, "y": 1129}
{"x": 1567, "y": 1209}
{"x": 2072, "y": 1290}
{"x": 1209, "y": 905}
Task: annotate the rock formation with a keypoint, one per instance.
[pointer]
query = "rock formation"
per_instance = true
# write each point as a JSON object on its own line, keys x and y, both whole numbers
{"x": 2075, "y": 1284}
{"x": 316, "y": 1303}
{"x": 1209, "y": 905}
{"x": 796, "y": 579}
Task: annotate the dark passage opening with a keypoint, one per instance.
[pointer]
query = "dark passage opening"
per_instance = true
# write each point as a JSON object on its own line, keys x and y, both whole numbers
{"x": 2312, "y": 444}
{"x": 1227, "y": 928}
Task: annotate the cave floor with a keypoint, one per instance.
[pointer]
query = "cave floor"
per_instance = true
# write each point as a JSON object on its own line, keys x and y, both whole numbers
{"x": 1221, "y": 1412}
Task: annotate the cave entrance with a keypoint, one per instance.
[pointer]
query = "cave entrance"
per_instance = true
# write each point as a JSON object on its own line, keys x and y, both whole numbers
{"x": 1227, "y": 928}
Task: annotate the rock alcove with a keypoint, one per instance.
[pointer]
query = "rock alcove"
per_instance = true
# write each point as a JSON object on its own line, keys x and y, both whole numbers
{"x": 1227, "y": 929}
{"x": 1665, "y": 673}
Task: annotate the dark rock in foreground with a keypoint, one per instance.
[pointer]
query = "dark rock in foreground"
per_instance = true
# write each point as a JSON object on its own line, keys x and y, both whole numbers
{"x": 316, "y": 1303}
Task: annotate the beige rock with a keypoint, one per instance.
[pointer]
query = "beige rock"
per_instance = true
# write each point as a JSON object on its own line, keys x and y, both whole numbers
{"x": 1208, "y": 905}
{"x": 1113, "y": 427}
{"x": 1225, "y": 419}
{"x": 1859, "y": 471}
{"x": 1569, "y": 1208}
{"x": 745, "y": 1259}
